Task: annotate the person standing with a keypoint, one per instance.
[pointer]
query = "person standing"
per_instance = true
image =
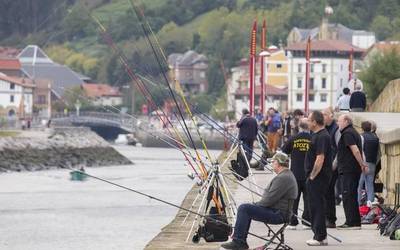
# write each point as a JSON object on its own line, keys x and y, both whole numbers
{"x": 297, "y": 147}
{"x": 247, "y": 132}
{"x": 358, "y": 100}
{"x": 333, "y": 130}
{"x": 274, "y": 124}
{"x": 343, "y": 104}
{"x": 350, "y": 166}
{"x": 370, "y": 146}
{"x": 318, "y": 167}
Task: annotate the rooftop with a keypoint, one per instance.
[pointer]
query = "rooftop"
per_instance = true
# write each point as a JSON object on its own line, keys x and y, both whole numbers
{"x": 9, "y": 63}
{"x": 325, "y": 45}
{"x": 25, "y": 82}
{"x": 100, "y": 90}
{"x": 270, "y": 90}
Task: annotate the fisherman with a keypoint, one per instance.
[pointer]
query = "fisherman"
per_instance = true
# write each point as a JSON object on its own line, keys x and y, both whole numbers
{"x": 274, "y": 206}
{"x": 297, "y": 147}
{"x": 247, "y": 132}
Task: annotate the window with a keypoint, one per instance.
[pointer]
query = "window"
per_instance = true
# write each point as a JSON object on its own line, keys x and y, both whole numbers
{"x": 311, "y": 67}
{"x": 324, "y": 68}
{"x": 323, "y": 85}
{"x": 11, "y": 98}
{"x": 278, "y": 66}
{"x": 299, "y": 83}
{"x": 341, "y": 67}
{"x": 12, "y": 86}
{"x": 203, "y": 74}
{"x": 311, "y": 83}
{"x": 311, "y": 97}
{"x": 299, "y": 67}
{"x": 341, "y": 82}
{"x": 41, "y": 99}
{"x": 323, "y": 97}
{"x": 299, "y": 97}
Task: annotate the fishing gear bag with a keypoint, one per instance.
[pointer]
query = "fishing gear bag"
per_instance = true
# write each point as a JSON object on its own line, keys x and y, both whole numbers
{"x": 216, "y": 227}
{"x": 239, "y": 166}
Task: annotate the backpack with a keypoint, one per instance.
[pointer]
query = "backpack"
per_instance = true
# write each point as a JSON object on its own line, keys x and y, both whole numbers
{"x": 239, "y": 166}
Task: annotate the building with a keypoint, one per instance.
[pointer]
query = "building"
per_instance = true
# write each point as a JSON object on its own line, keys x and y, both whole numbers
{"x": 15, "y": 96}
{"x": 329, "y": 73}
{"x": 102, "y": 94}
{"x": 37, "y": 65}
{"x": 380, "y": 48}
{"x": 332, "y": 31}
{"x": 11, "y": 67}
{"x": 189, "y": 69}
{"x": 276, "y": 83}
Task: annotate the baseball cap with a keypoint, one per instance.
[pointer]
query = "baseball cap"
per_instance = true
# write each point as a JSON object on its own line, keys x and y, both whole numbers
{"x": 281, "y": 157}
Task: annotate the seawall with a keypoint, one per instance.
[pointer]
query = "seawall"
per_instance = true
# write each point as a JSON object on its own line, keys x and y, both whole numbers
{"x": 55, "y": 148}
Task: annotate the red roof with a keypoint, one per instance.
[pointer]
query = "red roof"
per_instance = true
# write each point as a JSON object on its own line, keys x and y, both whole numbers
{"x": 269, "y": 90}
{"x": 9, "y": 52}
{"x": 10, "y": 63}
{"x": 26, "y": 82}
{"x": 99, "y": 90}
{"x": 325, "y": 45}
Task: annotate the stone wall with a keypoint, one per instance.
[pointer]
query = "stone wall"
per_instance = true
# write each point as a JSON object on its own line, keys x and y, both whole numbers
{"x": 389, "y": 135}
{"x": 58, "y": 148}
{"x": 389, "y": 99}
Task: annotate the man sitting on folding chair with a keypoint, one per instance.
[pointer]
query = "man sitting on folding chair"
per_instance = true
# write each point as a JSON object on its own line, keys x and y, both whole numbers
{"x": 274, "y": 207}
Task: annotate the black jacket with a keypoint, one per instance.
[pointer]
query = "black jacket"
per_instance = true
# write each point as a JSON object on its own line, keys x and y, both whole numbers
{"x": 247, "y": 128}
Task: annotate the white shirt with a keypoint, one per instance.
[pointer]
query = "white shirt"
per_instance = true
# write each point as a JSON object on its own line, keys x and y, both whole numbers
{"x": 344, "y": 102}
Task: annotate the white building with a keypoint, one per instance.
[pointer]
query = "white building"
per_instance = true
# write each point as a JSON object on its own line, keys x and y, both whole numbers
{"x": 15, "y": 96}
{"x": 329, "y": 74}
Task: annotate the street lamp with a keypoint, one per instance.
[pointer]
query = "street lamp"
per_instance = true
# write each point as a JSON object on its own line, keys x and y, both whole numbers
{"x": 263, "y": 78}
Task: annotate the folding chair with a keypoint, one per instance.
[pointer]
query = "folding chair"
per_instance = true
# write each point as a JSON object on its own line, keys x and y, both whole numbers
{"x": 276, "y": 239}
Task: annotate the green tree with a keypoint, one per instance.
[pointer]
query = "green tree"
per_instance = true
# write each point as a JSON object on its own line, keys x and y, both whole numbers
{"x": 382, "y": 69}
{"x": 381, "y": 26}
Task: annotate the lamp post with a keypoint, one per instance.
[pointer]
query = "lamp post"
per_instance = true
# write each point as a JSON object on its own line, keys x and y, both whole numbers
{"x": 263, "y": 78}
{"x": 77, "y": 106}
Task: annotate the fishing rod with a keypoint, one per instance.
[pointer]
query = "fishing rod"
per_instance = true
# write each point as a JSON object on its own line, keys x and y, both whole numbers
{"x": 158, "y": 199}
{"x": 141, "y": 18}
{"x": 153, "y": 135}
{"x": 142, "y": 87}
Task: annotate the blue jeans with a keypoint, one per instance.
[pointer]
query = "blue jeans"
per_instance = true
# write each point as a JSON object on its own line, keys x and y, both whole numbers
{"x": 248, "y": 212}
{"x": 368, "y": 180}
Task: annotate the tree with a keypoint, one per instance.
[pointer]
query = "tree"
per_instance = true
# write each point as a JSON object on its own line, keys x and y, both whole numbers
{"x": 381, "y": 26}
{"x": 382, "y": 69}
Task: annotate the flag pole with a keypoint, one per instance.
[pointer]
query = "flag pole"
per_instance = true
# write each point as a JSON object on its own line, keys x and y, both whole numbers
{"x": 306, "y": 87}
{"x": 262, "y": 77}
{"x": 252, "y": 66}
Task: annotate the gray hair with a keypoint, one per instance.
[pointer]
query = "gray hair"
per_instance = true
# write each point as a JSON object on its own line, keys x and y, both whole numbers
{"x": 303, "y": 124}
{"x": 348, "y": 119}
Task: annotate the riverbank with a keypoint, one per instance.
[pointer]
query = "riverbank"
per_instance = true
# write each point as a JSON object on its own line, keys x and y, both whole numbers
{"x": 54, "y": 148}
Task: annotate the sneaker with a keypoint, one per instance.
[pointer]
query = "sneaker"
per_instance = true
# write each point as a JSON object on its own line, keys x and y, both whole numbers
{"x": 304, "y": 227}
{"x": 348, "y": 227}
{"x": 236, "y": 245}
{"x": 330, "y": 224}
{"x": 313, "y": 242}
{"x": 290, "y": 227}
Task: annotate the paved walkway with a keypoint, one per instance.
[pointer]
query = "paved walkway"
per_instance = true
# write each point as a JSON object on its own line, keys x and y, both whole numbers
{"x": 367, "y": 238}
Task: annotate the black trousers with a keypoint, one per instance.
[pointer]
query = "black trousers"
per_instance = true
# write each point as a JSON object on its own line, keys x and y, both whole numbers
{"x": 317, "y": 189}
{"x": 301, "y": 185}
{"x": 350, "y": 203}
{"x": 330, "y": 199}
{"x": 248, "y": 147}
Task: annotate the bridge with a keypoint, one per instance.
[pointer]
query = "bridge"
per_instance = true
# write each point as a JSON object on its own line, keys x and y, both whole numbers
{"x": 124, "y": 122}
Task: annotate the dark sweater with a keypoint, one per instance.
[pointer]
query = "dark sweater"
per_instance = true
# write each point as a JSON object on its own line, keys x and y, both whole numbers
{"x": 358, "y": 100}
{"x": 279, "y": 191}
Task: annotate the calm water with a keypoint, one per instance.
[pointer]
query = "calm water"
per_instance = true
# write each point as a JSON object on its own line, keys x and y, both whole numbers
{"x": 45, "y": 210}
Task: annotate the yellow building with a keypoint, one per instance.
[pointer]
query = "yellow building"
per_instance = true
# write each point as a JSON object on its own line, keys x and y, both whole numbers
{"x": 277, "y": 68}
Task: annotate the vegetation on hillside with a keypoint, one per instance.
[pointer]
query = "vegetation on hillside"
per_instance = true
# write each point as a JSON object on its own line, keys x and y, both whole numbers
{"x": 217, "y": 28}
